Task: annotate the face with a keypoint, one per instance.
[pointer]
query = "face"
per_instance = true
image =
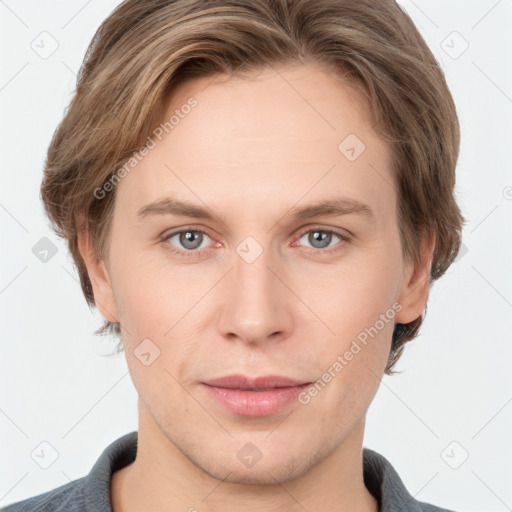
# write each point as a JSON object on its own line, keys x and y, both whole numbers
{"x": 221, "y": 264}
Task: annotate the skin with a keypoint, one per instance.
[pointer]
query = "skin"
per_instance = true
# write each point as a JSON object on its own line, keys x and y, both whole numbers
{"x": 251, "y": 150}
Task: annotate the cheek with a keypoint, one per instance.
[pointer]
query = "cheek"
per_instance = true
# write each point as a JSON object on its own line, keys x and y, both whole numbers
{"x": 151, "y": 295}
{"x": 356, "y": 302}
{"x": 352, "y": 298}
{"x": 160, "y": 309}
{"x": 352, "y": 369}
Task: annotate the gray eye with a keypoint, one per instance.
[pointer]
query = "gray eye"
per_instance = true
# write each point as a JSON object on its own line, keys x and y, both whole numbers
{"x": 188, "y": 239}
{"x": 319, "y": 238}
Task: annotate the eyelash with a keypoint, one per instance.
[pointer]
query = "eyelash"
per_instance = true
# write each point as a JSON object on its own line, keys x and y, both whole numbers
{"x": 199, "y": 252}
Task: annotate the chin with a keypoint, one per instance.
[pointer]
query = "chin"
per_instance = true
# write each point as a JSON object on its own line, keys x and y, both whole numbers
{"x": 265, "y": 471}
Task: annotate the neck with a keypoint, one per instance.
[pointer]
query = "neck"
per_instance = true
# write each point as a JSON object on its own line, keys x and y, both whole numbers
{"x": 163, "y": 478}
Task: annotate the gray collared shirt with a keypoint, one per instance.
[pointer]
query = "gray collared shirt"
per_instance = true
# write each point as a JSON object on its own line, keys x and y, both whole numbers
{"x": 91, "y": 493}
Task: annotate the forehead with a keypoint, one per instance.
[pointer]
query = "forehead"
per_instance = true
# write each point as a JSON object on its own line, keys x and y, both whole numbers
{"x": 281, "y": 133}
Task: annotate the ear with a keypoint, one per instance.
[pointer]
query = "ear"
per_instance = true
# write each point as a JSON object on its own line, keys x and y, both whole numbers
{"x": 99, "y": 276}
{"x": 415, "y": 286}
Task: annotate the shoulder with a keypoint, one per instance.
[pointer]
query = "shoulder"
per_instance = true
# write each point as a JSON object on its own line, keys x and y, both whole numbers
{"x": 69, "y": 497}
{"x": 89, "y": 493}
{"x": 383, "y": 482}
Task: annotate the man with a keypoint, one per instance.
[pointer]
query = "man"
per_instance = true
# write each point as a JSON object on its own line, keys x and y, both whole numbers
{"x": 258, "y": 195}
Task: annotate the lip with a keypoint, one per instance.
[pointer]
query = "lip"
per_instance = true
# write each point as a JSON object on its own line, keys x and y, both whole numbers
{"x": 254, "y": 396}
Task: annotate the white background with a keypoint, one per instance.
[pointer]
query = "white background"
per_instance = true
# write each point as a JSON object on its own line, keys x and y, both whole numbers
{"x": 57, "y": 384}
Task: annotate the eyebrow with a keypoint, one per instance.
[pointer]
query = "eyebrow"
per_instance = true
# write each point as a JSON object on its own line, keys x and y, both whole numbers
{"x": 332, "y": 207}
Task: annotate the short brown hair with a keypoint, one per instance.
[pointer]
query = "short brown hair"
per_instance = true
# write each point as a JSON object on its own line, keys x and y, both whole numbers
{"x": 146, "y": 47}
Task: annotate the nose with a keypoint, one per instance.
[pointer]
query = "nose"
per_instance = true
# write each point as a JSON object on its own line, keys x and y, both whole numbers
{"x": 257, "y": 304}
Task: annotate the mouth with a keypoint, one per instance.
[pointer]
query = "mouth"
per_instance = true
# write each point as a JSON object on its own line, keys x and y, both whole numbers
{"x": 259, "y": 396}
